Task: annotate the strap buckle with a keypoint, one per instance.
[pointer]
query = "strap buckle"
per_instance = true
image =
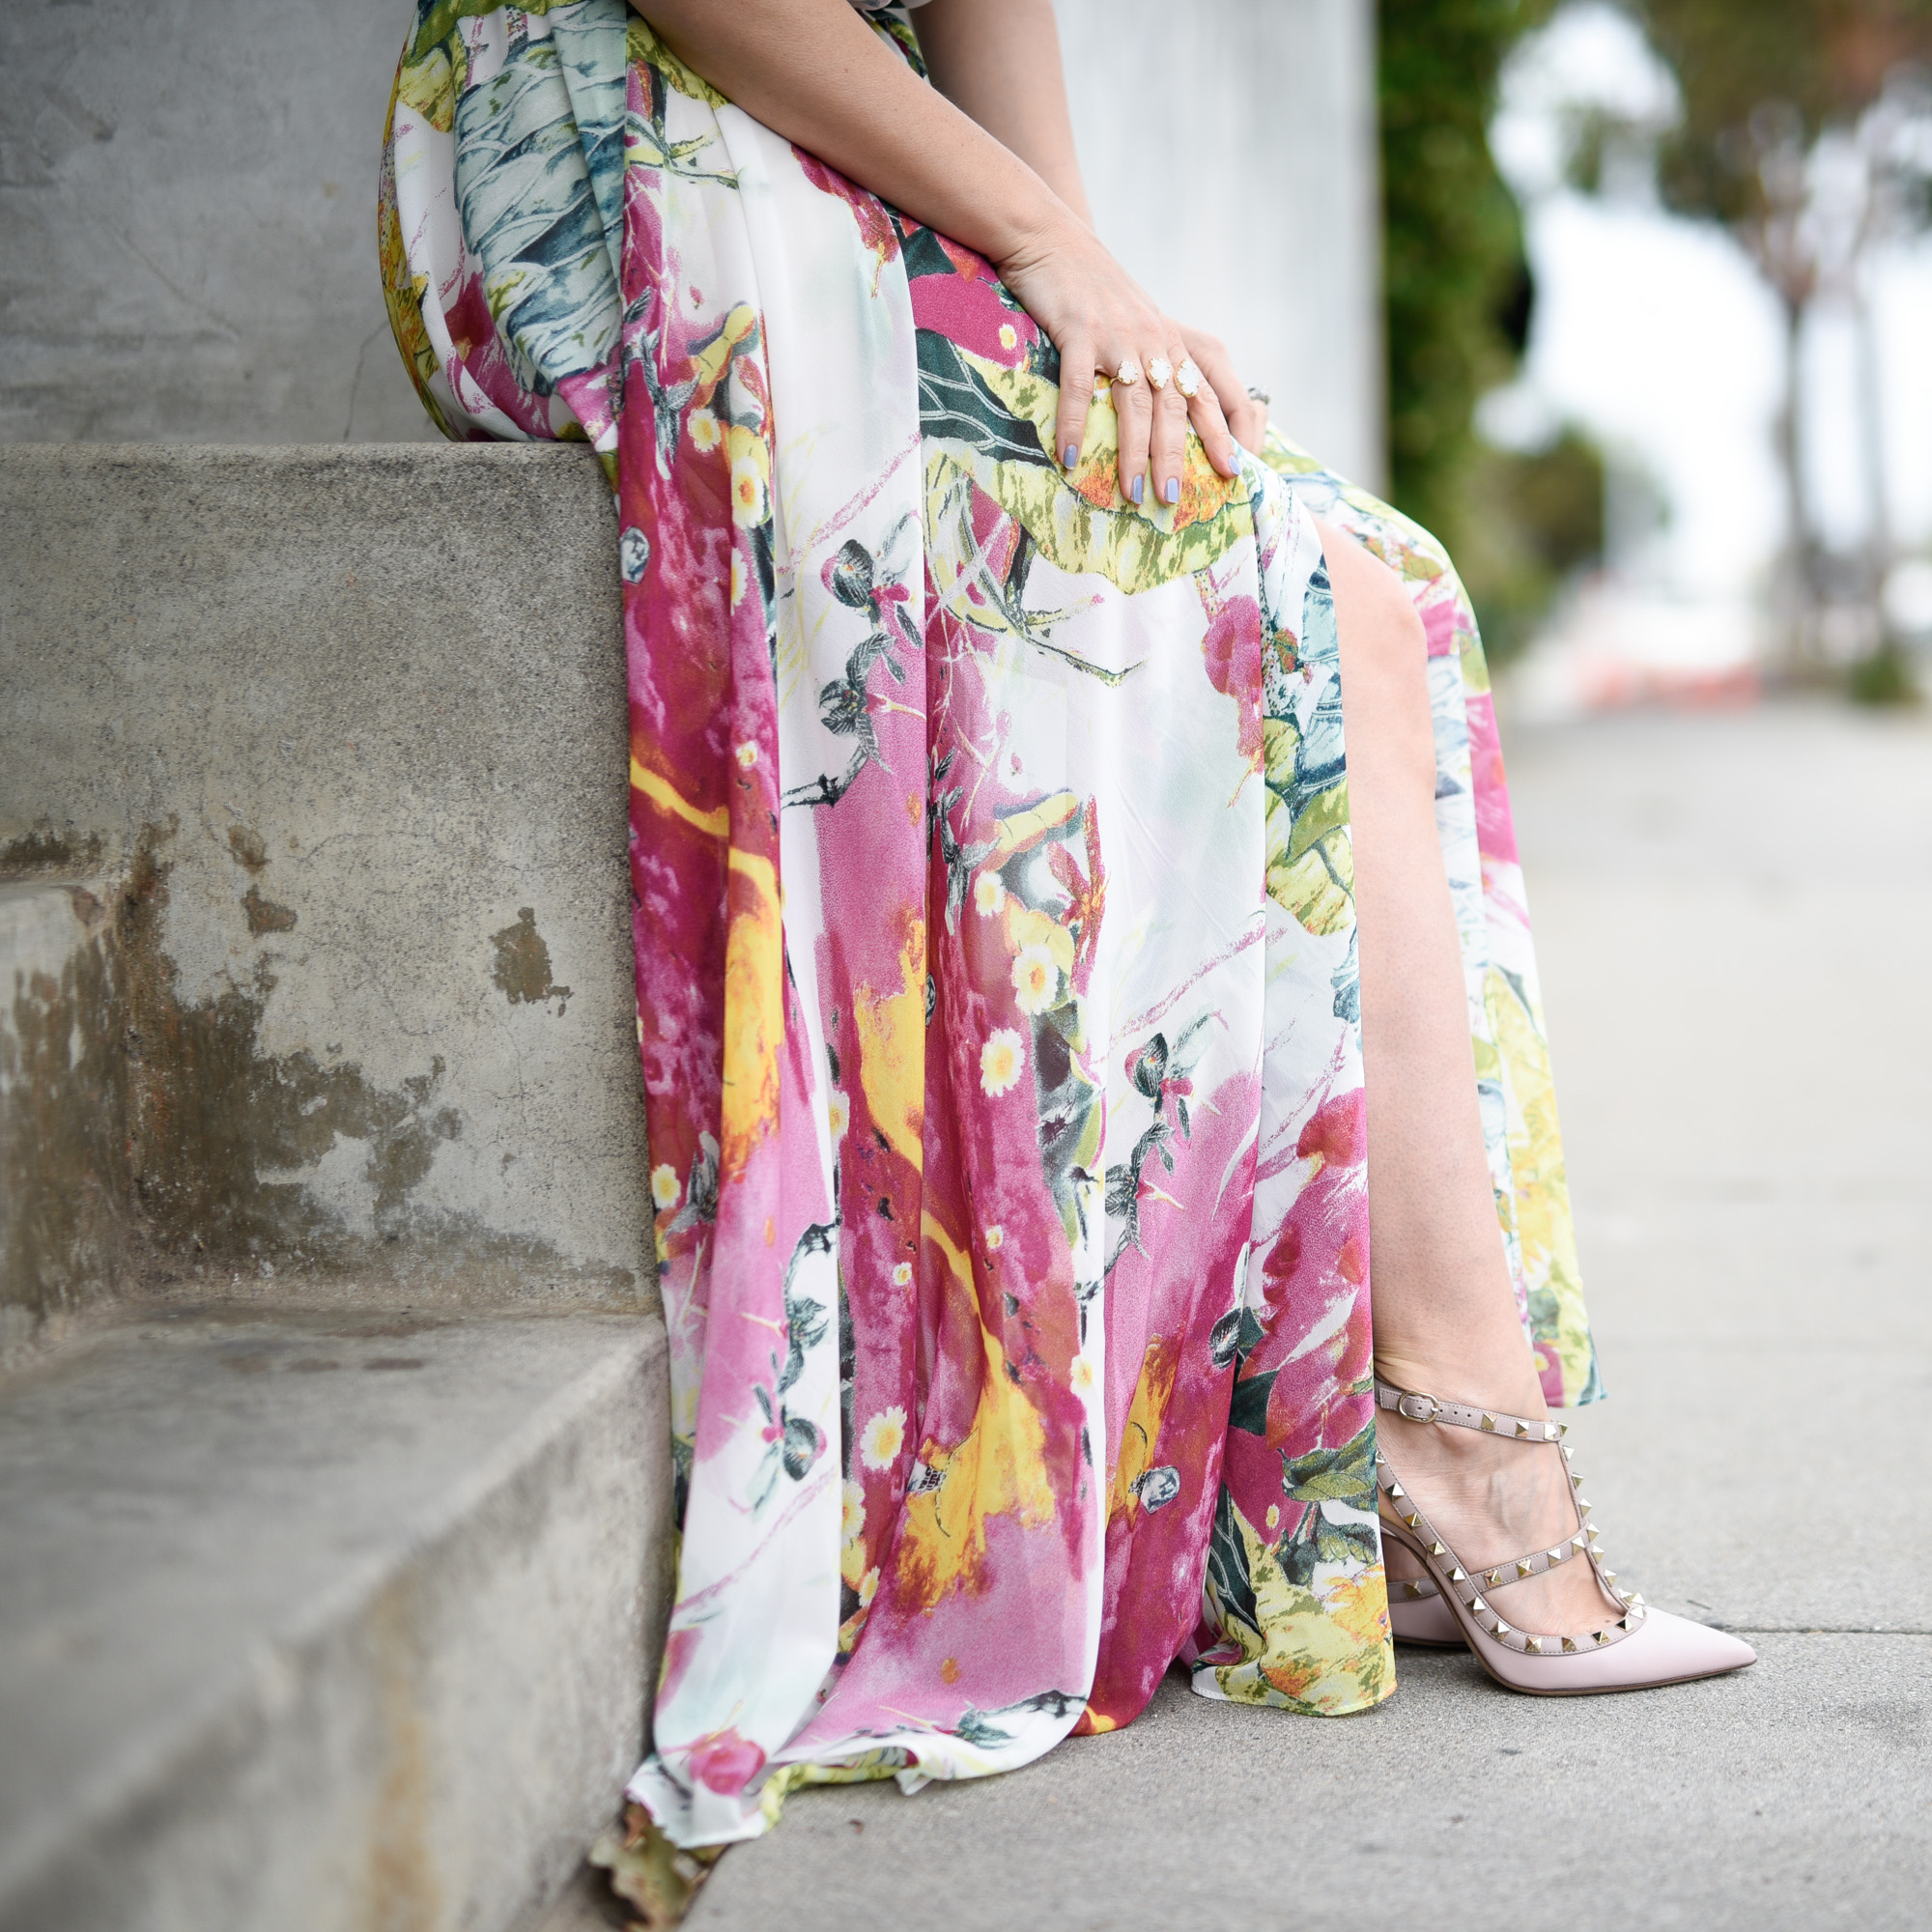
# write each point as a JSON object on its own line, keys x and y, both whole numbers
{"x": 1431, "y": 1408}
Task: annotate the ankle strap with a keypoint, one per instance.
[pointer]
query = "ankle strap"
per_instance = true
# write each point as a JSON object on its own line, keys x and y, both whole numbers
{"x": 1420, "y": 1407}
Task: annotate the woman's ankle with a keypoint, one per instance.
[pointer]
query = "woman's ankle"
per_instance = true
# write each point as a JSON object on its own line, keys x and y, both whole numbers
{"x": 1504, "y": 1379}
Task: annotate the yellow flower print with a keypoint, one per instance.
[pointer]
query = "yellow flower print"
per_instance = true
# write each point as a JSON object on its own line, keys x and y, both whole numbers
{"x": 1000, "y": 1063}
{"x": 882, "y": 1439}
{"x": 869, "y": 1588}
{"x": 703, "y": 429}
{"x": 1274, "y": 1516}
{"x": 751, "y": 475}
{"x": 1035, "y": 979}
{"x": 1080, "y": 1375}
{"x": 902, "y": 1276}
{"x": 994, "y": 1236}
{"x": 838, "y": 1109}
{"x": 665, "y": 1186}
{"x": 989, "y": 895}
{"x": 852, "y": 1514}
{"x": 747, "y": 754}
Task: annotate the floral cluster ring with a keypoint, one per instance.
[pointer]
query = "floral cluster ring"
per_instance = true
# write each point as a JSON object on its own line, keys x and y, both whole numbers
{"x": 1160, "y": 372}
{"x": 1187, "y": 378}
{"x": 1128, "y": 373}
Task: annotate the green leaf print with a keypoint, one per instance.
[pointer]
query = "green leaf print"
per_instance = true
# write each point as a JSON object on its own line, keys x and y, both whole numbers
{"x": 1250, "y": 1407}
{"x": 1228, "y": 1574}
{"x": 531, "y": 215}
{"x": 1342, "y": 1475}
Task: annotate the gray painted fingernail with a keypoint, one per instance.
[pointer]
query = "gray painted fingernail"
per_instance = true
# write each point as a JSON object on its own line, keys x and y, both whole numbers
{"x": 1170, "y": 489}
{"x": 1069, "y": 456}
{"x": 1140, "y": 486}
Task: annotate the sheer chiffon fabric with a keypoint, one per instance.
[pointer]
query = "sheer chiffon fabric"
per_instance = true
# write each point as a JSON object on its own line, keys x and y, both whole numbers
{"x": 995, "y": 945}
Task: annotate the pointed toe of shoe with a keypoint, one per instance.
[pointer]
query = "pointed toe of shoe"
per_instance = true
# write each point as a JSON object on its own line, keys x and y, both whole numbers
{"x": 1675, "y": 1650}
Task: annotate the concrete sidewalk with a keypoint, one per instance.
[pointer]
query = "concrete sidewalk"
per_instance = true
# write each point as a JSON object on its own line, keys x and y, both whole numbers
{"x": 1734, "y": 921}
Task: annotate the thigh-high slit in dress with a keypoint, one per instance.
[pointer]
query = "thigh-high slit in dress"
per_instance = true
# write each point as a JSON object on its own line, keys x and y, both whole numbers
{"x": 995, "y": 943}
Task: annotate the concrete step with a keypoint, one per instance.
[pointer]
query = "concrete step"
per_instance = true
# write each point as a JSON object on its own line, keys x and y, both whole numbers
{"x": 323, "y": 1619}
{"x": 335, "y": 739}
{"x": 334, "y": 1481}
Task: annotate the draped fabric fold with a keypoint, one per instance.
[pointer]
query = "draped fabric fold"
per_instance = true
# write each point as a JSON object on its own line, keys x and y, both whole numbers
{"x": 995, "y": 945}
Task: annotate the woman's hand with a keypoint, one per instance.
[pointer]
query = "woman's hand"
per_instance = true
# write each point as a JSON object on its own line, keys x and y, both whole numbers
{"x": 1099, "y": 319}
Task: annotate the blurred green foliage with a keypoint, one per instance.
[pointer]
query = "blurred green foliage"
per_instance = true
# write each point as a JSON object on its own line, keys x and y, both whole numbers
{"x": 1459, "y": 295}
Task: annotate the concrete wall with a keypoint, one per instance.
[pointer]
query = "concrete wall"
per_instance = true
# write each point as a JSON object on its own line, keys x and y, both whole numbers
{"x": 188, "y": 194}
{"x": 1230, "y": 152}
{"x": 313, "y": 807}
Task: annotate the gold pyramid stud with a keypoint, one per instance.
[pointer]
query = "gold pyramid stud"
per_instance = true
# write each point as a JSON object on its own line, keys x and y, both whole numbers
{"x": 1503, "y": 1629}
{"x": 1549, "y": 1431}
{"x": 1601, "y": 1636}
{"x": 1524, "y": 1567}
{"x": 1477, "y": 1604}
{"x": 1584, "y": 1504}
{"x": 1576, "y": 1481}
{"x": 1413, "y": 1589}
{"x": 1568, "y": 1452}
{"x": 1495, "y": 1577}
{"x": 1457, "y": 1575}
{"x": 1396, "y": 1490}
{"x": 1577, "y": 1542}
{"x": 1534, "y": 1645}
{"x": 1557, "y": 1554}
{"x": 1413, "y": 1520}
{"x": 1568, "y": 1646}
{"x": 1630, "y": 1623}
{"x": 1489, "y": 1421}
{"x": 1608, "y": 1576}
{"x": 1521, "y": 1427}
{"x": 1637, "y": 1601}
{"x": 1438, "y": 1549}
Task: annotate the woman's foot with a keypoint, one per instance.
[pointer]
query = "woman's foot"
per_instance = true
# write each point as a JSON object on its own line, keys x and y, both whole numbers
{"x": 1491, "y": 1500}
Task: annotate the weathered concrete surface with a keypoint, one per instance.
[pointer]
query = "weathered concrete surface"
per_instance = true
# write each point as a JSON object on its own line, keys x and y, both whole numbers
{"x": 333, "y": 741}
{"x": 1734, "y": 921}
{"x": 187, "y": 222}
{"x": 326, "y": 1622}
{"x": 1789, "y": 1798}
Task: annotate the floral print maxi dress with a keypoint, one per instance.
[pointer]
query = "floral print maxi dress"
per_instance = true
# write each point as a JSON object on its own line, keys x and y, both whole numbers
{"x": 995, "y": 945}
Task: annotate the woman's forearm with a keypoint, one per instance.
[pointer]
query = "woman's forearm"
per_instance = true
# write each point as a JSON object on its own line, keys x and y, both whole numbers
{"x": 813, "y": 71}
{"x": 999, "y": 60}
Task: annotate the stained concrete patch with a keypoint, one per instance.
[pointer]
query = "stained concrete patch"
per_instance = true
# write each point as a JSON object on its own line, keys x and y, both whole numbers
{"x": 523, "y": 963}
{"x": 305, "y": 1023}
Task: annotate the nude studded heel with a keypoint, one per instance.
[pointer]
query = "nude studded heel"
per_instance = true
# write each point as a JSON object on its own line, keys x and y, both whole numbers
{"x": 1636, "y": 1649}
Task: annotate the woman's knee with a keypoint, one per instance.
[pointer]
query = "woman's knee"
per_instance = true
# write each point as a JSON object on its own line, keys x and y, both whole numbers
{"x": 1384, "y": 652}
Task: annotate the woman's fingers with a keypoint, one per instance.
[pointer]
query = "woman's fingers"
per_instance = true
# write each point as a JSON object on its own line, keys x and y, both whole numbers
{"x": 1170, "y": 428}
{"x": 1203, "y": 411}
{"x": 1076, "y": 393}
{"x": 1133, "y": 415}
{"x": 1246, "y": 419}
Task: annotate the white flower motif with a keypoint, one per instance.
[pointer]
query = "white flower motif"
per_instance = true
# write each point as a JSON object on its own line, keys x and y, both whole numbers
{"x": 1080, "y": 1374}
{"x": 852, "y": 1513}
{"x": 1000, "y": 1063}
{"x": 737, "y": 580}
{"x": 902, "y": 1276}
{"x": 746, "y": 755}
{"x": 1274, "y": 1516}
{"x": 994, "y": 1236}
{"x": 703, "y": 429}
{"x": 838, "y": 1109}
{"x": 665, "y": 1187}
{"x": 989, "y": 894}
{"x": 1007, "y": 338}
{"x": 869, "y": 1587}
{"x": 1035, "y": 979}
{"x": 882, "y": 1439}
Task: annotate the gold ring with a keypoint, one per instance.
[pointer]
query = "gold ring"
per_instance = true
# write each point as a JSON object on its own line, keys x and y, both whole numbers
{"x": 1187, "y": 378}
{"x": 1159, "y": 373}
{"x": 1128, "y": 373}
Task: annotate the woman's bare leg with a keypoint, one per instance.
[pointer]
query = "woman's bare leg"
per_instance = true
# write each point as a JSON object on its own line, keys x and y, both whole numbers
{"x": 1445, "y": 1315}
